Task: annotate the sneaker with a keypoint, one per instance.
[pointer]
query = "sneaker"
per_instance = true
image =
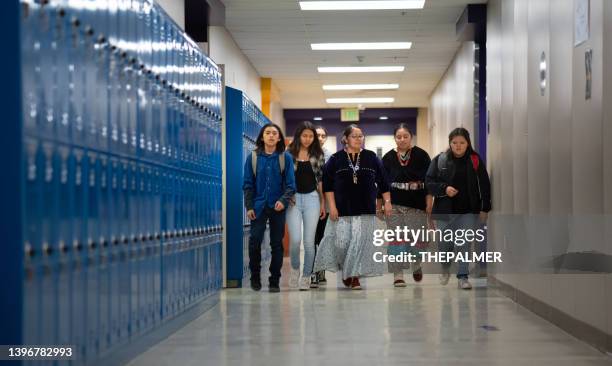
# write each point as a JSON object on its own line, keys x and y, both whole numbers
{"x": 347, "y": 282}
{"x": 417, "y": 275}
{"x": 464, "y": 284}
{"x": 314, "y": 281}
{"x": 273, "y": 284}
{"x": 398, "y": 280}
{"x": 304, "y": 284}
{"x": 274, "y": 288}
{"x": 321, "y": 278}
{"x": 444, "y": 277}
{"x": 256, "y": 284}
{"x": 294, "y": 278}
{"x": 355, "y": 285}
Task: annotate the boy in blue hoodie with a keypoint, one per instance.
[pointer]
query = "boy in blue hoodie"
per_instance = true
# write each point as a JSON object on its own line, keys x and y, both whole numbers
{"x": 269, "y": 184}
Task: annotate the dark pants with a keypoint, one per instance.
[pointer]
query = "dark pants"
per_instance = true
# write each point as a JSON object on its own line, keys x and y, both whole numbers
{"x": 277, "y": 231}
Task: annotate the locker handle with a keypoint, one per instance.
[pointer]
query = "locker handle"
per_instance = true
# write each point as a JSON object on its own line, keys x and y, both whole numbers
{"x": 63, "y": 248}
{"x": 126, "y": 241}
{"x": 143, "y": 238}
{"x": 89, "y": 31}
{"x": 76, "y": 22}
{"x": 115, "y": 241}
{"x": 151, "y": 237}
{"x": 135, "y": 239}
{"x": 29, "y": 251}
{"x": 61, "y": 12}
{"x": 92, "y": 244}
{"x": 104, "y": 242}
{"x": 101, "y": 39}
{"x": 78, "y": 245}
{"x": 157, "y": 236}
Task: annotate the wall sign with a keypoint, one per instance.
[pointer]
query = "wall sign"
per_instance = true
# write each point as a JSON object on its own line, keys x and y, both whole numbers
{"x": 581, "y": 21}
{"x": 588, "y": 58}
{"x": 543, "y": 73}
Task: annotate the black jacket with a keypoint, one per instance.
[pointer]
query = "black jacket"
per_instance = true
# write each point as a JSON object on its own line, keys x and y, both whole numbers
{"x": 413, "y": 172}
{"x": 440, "y": 175}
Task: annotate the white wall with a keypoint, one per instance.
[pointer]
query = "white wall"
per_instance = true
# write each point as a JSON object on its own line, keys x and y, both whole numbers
{"x": 175, "y": 9}
{"x": 452, "y": 101}
{"x": 239, "y": 73}
{"x": 549, "y": 155}
{"x": 386, "y": 142}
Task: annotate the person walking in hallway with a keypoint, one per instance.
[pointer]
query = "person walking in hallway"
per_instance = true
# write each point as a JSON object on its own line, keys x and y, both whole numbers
{"x": 406, "y": 166}
{"x": 308, "y": 204}
{"x": 351, "y": 180}
{"x": 319, "y": 278}
{"x": 269, "y": 184}
{"x": 459, "y": 183}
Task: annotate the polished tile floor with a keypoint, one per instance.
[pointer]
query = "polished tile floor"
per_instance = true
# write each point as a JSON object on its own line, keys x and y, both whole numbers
{"x": 424, "y": 324}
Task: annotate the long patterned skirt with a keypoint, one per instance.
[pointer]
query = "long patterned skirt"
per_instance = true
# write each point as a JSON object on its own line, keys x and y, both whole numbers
{"x": 413, "y": 219}
{"x": 347, "y": 245}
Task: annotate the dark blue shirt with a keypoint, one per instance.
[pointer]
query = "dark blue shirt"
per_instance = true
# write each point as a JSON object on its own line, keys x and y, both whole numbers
{"x": 269, "y": 186}
{"x": 355, "y": 199}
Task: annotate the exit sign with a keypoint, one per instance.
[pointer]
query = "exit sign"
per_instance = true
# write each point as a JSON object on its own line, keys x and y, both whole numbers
{"x": 349, "y": 114}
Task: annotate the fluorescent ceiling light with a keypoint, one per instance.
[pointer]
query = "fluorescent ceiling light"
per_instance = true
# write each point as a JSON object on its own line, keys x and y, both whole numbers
{"x": 359, "y": 100}
{"x": 360, "y": 86}
{"x": 361, "y": 46}
{"x": 361, "y": 69}
{"x": 362, "y": 5}
{"x": 318, "y": 118}
{"x": 383, "y": 117}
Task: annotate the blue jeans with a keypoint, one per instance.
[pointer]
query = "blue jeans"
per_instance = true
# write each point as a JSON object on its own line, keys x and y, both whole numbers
{"x": 305, "y": 211}
{"x": 277, "y": 231}
{"x": 457, "y": 222}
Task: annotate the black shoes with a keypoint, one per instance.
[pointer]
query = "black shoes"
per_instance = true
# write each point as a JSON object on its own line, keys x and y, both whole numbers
{"x": 256, "y": 284}
{"x": 273, "y": 285}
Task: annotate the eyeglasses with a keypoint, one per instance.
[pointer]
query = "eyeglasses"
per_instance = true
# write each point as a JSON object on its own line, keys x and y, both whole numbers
{"x": 356, "y": 137}
{"x": 322, "y": 135}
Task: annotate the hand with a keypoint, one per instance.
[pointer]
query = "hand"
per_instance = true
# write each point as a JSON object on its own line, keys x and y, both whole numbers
{"x": 429, "y": 209}
{"x": 292, "y": 201}
{"x": 388, "y": 209}
{"x": 451, "y": 191}
{"x": 251, "y": 214}
{"x": 333, "y": 213}
{"x": 322, "y": 212}
{"x": 279, "y": 206}
{"x": 483, "y": 217}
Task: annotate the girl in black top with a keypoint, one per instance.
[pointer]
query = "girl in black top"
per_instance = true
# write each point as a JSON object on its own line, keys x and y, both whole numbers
{"x": 406, "y": 166}
{"x": 308, "y": 204}
{"x": 351, "y": 180}
{"x": 460, "y": 184}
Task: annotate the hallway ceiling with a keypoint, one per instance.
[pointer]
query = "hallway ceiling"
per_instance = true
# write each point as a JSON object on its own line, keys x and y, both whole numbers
{"x": 276, "y": 35}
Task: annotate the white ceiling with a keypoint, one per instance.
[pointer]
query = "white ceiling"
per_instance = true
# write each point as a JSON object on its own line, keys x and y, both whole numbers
{"x": 275, "y": 35}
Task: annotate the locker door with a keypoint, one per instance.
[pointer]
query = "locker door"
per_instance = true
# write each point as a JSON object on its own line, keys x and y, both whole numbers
{"x": 104, "y": 216}
{"x": 115, "y": 250}
{"x": 91, "y": 173}
{"x": 79, "y": 295}
{"x": 64, "y": 318}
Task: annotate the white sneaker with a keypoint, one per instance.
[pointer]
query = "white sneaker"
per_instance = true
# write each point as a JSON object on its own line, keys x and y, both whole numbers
{"x": 398, "y": 280}
{"x": 294, "y": 278}
{"x": 304, "y": 283}
{"x": 444, "y": 277}
{"x": 464, "y": 284}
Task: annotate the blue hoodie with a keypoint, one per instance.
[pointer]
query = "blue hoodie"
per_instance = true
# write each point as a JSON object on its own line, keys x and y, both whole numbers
{"x": 269, "y": 186}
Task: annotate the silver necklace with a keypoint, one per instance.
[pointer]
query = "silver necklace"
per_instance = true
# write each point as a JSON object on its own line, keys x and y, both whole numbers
{"x": 355, "y": 167}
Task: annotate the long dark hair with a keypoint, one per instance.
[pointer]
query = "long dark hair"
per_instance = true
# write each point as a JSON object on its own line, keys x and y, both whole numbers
{"x": 460, "y": 131}
{"x": 314, "y": 149}
{"x": 347, "y": 132}
{"x": 280, "y": 145}
{"x": 402, "y": 126}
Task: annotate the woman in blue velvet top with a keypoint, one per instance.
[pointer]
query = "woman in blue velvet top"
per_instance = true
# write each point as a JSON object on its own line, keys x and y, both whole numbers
{"x": 352, "y": 179}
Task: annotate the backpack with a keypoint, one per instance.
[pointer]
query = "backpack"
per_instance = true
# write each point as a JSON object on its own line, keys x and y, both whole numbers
{"x": 281, "y": 162}
{"x": 444, "y": 158}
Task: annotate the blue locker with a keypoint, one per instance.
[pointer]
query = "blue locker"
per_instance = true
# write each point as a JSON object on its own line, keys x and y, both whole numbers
{"x": 122, "y": 171}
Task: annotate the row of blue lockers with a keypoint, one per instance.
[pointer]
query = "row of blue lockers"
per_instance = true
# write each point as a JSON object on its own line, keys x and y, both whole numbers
{"x": 244, "y": 121}
{"x": 121, "y": 175}
{"x": 156, "y": 95}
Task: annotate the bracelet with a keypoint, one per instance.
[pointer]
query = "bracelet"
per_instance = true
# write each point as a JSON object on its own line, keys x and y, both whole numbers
{"x": 387, "y": 201}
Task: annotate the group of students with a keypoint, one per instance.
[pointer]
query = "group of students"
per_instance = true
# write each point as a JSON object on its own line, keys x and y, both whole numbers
{"x": 330, "y": 202}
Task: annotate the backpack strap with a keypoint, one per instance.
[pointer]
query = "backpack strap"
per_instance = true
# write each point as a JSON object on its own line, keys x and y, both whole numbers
{"x": 475, "y": 161}
{"x": 281, "y": 162}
